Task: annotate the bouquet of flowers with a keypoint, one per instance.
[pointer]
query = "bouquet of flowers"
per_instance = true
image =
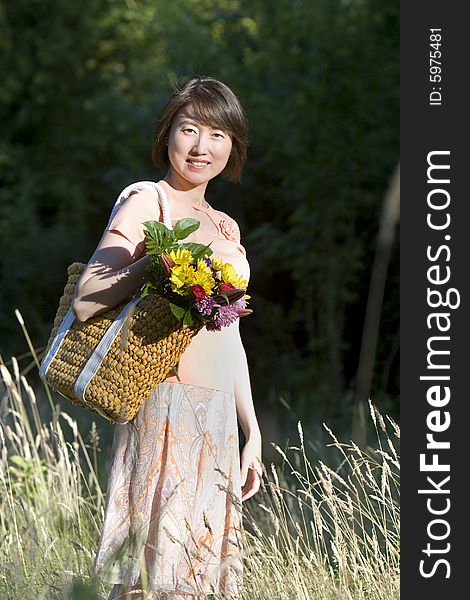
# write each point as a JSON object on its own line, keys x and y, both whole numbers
{"x": 201, "y": 288}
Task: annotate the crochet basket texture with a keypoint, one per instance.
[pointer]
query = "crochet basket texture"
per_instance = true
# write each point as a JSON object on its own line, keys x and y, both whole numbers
{"x": 126, "y": 376}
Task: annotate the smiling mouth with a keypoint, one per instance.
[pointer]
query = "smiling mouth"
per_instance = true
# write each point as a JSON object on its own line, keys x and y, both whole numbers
{"x": 198, "y": 164}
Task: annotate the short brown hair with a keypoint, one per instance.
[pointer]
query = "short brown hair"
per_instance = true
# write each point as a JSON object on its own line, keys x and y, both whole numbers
{"x": 213, "y": 104}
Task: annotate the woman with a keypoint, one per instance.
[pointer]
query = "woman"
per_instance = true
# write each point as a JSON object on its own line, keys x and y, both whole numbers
{"x": 173, "y": 510}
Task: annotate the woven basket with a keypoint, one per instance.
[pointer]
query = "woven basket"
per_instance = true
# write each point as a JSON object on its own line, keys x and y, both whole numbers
{"x": 121, "y": 378}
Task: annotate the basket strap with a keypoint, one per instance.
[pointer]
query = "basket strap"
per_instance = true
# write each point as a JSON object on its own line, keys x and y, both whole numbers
{"x": 95, "y": 360}
{"x": 164, "y": 204}
{"x": 149, "y": 185}
{"x": 64, "y": 327}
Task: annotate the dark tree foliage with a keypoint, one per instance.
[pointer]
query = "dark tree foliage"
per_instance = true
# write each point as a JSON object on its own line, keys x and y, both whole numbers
{"x": 82, "y": 83}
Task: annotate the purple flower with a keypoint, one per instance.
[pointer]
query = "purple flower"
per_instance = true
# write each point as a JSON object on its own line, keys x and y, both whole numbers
{"x": 224, "y": 317}
{"x": 240, "y": 304}
{"x": 205, "y": 305}
{"x": 240, "y": 307}
{"x": 207, "y": 260}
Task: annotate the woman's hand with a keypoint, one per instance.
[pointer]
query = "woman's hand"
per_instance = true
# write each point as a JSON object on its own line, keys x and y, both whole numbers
{"x": 251, "y": 468}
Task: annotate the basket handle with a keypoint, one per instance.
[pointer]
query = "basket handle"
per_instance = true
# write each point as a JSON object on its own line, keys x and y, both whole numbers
{"x": 149, "y": 185}
{"x": 164, "y": 205}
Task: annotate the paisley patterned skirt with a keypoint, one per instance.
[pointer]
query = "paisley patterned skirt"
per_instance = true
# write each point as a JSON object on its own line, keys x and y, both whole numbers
{"x": 173, "y": 512}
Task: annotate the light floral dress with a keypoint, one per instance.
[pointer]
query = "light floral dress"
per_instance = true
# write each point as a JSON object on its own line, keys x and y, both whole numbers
{"x": 173, "y": 509}
{"x": 173, "y": 512}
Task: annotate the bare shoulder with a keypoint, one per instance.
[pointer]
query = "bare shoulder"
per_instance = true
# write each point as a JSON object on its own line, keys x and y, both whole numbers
{"x": 141, "y": 205}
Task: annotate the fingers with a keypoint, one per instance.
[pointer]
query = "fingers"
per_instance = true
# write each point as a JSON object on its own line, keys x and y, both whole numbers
{"x": 252, "y": 484}
{"x": 250, "y": 492}
{"x": 251, "y": 471}
{"x": 248, "y": 464}
{"x": 257, "y": 467}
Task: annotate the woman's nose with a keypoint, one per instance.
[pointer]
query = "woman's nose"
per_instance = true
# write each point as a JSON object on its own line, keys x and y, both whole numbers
{"x": 200, "y": 144}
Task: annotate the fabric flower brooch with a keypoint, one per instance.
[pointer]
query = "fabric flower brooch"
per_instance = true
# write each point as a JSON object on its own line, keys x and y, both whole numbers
{"x": 229, "y": 230}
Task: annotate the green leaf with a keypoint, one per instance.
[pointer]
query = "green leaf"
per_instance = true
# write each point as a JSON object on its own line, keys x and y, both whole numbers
{"x": 158, "y": 237}
{"x": 197, "y": 250}
{"x": 188, "y": 318}
{"x": 177, "y": 311}
{"x": 156, "y": 229}
{"x": 185, "y": 227}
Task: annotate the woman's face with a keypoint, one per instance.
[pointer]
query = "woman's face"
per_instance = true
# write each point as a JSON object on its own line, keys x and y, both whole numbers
{"x": 197, "y": 152}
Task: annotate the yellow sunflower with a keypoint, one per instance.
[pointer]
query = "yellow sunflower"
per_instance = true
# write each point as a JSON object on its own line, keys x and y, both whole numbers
{"x": 181, "y": 278}
{"x": 229, "y": 275}
{"x": 202, "y": 266}
{"x": 217, "y": 264}
{"x": 182, "y": 256}
{"x": 203, "y": 278}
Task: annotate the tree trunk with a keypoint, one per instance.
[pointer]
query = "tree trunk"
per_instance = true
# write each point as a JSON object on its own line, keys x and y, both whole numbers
{"x": 389, "y": 218}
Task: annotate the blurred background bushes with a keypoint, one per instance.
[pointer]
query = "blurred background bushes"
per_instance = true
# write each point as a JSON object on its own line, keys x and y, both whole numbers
{"x": 82, "y": 84}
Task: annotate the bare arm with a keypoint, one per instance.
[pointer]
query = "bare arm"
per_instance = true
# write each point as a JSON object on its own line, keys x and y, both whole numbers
{"x": 243, "y": 396}
{"x": 116, "y": 269}
{"x": 109, "y": 278}
{"x": 251, "y": 468}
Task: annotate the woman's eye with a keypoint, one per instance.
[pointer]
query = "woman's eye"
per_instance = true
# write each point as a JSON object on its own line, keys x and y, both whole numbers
{"x": 218, "y": 135}
{"x": 190, "y": 129}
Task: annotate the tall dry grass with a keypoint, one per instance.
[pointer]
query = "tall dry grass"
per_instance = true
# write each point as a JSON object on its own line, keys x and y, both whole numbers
{"x": 329, "y": 533}
{"x": 312, "y": 532}
{"x": 49, "y": 507}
